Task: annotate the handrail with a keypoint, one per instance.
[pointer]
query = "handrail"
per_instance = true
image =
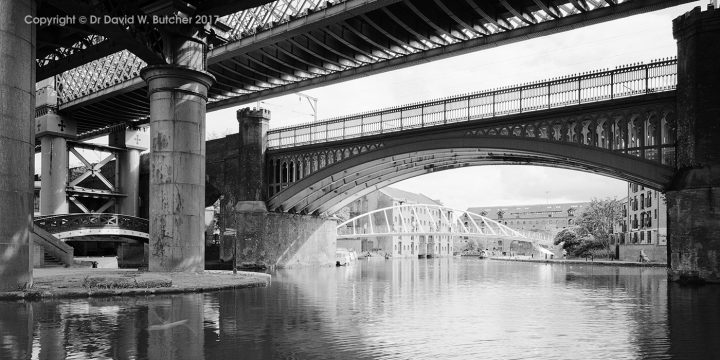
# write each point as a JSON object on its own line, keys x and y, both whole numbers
{"x": 67, "y": 222}
{"x": 600, "y": 85}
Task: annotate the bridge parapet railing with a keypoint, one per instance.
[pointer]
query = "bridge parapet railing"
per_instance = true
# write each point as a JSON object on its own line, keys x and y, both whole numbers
{"x": 601, "y": 85}
{"x": 69, "y": 222}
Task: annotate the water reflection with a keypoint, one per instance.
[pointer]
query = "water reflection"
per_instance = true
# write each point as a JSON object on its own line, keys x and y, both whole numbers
{"x": 427, "y": 308}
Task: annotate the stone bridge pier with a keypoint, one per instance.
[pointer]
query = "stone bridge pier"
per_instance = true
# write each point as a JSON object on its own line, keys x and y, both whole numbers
{"x": 256, "y": 236}
{"x": 178, "y": 97}
{"x": 694, "y": 197}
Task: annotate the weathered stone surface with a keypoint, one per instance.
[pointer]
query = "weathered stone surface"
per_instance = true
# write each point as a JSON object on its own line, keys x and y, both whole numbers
{"x": 54, "y": 175}
{"x": 694, "y": 234}
{"x": 17, "y": 143}
{"x": 281, "y": 240}
{"x": 694, "y": 197}
{"x": 251, "y": 184}
{"x": 177, "y": 166}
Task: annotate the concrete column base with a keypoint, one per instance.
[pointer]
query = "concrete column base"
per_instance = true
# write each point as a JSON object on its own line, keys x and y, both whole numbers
{"x": 132, "y": 256}
{"x": 265, "y": 239}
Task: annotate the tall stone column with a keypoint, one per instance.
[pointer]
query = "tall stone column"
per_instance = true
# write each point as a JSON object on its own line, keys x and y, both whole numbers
{"x": 246, "y": 194}
{"x": 134, "y": 141}
{"x": 252, "y": 182}
{"x": 178, "y": 95}
{"x": 694, "y": 198}
{"x": 17, "y": 142}
{"x": 53, "y": 131}
{"x": 128, "y": 167}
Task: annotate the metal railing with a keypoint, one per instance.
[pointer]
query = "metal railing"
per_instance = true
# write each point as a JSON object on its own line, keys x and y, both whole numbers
{"x": 595, "y": 86}
{"x": 69, "y": 222}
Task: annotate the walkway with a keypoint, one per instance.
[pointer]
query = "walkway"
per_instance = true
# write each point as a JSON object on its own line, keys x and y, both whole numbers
{"x": 89, "y": 282}
{"x": 582, "y": 262}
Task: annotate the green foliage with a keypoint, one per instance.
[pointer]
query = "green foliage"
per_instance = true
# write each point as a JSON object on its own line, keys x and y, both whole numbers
{"x": 568, "y": 238}
{"x": 593, "y": 230}
{"x": 596, "y": 224}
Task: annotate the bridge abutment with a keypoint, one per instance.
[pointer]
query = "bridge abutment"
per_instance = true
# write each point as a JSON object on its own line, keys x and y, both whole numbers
{"x": 694, "y": 197}
{"x": 251, "y": 233}
{"x": 178, "y": 95}
{"x": 17, "y": 142}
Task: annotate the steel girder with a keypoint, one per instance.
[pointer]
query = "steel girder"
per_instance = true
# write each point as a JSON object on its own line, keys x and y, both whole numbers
{"x": 286, "y": 45}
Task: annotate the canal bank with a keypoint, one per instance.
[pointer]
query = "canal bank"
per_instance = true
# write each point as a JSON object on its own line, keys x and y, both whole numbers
{"x": 51, "y": 283}
{"x": 582, "y": 262}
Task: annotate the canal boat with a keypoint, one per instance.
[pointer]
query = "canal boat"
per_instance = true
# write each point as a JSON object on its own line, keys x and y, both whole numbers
{"x": 483, "y": 255}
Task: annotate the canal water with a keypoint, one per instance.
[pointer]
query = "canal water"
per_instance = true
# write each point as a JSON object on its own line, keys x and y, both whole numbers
{"x": 388, "y": 309}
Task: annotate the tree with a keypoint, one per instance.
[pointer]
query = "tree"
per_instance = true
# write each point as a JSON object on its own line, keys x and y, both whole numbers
{"x": 596, "y": 223}
{"x": 569, "y": 240}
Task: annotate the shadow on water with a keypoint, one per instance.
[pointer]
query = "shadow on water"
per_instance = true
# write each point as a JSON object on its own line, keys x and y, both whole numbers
{"x": 427, "y": 308}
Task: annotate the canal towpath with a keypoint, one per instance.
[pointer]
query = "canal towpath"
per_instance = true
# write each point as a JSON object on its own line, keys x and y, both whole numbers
{"x": 83, "y": 282}
{"x": 602, "y": 262}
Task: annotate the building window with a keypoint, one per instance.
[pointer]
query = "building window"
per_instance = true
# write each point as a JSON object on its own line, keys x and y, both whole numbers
{"x": 642, "y": 201}
{"x": 649, "y": 237}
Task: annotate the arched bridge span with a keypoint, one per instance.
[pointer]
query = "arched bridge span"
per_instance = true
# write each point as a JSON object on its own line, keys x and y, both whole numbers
{"x": 619, "y": 123}
{"x": 78, "y": 227}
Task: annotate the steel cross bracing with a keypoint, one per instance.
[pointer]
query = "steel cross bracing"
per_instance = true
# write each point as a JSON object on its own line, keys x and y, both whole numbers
{"x": 285, "y": 46}
{"x": 88, "y": 188}
{"x": 426, "y": 219}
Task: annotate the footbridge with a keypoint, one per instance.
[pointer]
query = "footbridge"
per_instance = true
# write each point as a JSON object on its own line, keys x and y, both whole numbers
{"x": 426, "y": 220}
{"x": 433, "y": 230}
{"x": 79, "y": 227}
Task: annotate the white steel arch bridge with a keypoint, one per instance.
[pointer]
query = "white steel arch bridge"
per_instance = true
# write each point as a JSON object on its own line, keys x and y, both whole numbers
{"x": 428, "y": 220}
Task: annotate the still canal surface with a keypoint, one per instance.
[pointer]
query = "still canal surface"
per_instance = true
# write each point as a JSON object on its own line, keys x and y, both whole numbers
{"x": 394, "y": 309}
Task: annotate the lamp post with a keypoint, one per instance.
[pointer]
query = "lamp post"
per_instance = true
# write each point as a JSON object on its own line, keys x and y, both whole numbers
{"x": 235, "y": 254}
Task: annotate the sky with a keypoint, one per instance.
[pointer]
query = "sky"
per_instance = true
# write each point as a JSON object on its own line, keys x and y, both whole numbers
{"x": 640, "y": 38}
{"x": 635, "y": 39}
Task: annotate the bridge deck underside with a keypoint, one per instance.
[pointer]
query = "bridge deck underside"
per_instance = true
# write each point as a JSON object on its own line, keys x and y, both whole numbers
{"x": 347, "y": 40}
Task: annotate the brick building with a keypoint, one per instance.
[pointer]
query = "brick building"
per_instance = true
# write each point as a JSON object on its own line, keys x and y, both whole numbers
{"x": 643, "y": 226}
{"x": 545, "y": 219}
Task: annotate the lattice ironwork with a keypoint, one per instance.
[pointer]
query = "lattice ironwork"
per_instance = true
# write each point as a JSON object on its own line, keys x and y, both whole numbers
{"x": 326, "y": 42}
{"x": 65, "y": 223}
{"x": 98, "y": 75}
{"x": 601, "y": 85}
{"x": 249, "y": 22}
{"x": 63, "y": 52}
{"x": 286, "y": 169}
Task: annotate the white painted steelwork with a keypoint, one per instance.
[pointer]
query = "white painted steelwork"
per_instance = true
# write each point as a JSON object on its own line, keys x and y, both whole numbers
{"x": 438, "y": 221}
